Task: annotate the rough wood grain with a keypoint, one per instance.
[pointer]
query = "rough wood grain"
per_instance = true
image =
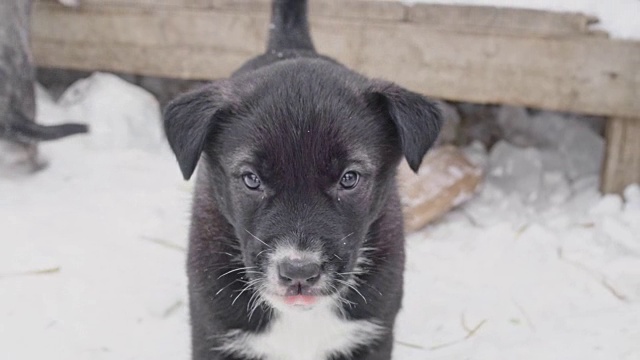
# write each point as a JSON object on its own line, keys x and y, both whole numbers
{"x": 454, "y": 18}
{"x": 582, "y": 74}
{"x": 148, "y": 4}
{"x": 496, "y": 20}
{"x": 391, "y": 10}
{"x": 622, "y": 160}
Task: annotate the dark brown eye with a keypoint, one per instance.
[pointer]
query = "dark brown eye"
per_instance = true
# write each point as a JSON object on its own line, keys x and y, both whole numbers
{"x": 251, "y": 180}
{"x": 349, "y": 180}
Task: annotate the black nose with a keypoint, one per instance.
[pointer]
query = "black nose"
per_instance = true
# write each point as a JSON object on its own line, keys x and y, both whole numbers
{"x": 298, "y": 272}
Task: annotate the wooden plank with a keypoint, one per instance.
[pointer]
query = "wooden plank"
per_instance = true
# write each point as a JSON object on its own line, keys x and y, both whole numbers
{"x": 391, "y": 10}
{"x": 116, "y": 25}
{"x": 358, "y": 9}
{"x": 496, "y": 20}
{"x": 483, "y": 19}
{"x": 622, "y": 159}
{"x": 177, "y": 62}
{"x": 142, "y": 4}
{"x": 584, "y": 74}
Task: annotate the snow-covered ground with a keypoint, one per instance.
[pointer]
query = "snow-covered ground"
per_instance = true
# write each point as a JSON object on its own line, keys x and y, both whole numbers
{"x": 539, "y": 266}
{"x": 620, "y": 18}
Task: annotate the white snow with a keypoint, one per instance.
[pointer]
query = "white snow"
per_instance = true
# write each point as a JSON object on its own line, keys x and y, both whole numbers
{"x": 85, "y": 99}
{"x": 618, "y": 17}
{"x": 72, "y": 3}
{"x": 92, "y": 251}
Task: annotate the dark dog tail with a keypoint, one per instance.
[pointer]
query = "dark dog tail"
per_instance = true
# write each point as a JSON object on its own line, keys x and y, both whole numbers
{"x": 29, "y": 131}
{"x": 289, "y": 26}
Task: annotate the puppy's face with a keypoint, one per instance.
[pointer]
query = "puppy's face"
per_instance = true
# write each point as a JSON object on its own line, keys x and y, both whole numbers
{"x": 305, "y": 174}
{"x": 302, "y": 161}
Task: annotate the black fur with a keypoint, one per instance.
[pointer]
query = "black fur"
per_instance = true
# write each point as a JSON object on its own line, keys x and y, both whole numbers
{"x": 299, "y": 120}
{"x": 289, "y": 26}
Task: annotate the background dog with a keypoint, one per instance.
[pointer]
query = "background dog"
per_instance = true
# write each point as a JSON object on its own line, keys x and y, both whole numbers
{"x": 19, "y": 133}
{"x": 296, "y": 244}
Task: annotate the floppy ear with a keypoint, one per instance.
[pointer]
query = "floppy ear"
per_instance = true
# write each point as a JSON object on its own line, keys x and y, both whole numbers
{"x": 190, "y": 119}
{"x": 416, "y": 118}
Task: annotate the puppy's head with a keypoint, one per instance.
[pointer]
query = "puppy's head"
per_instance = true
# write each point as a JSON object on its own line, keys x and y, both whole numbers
{"x": 302, "y": 159}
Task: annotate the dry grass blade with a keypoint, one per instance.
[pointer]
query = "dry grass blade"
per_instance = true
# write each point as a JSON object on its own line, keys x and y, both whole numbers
{"x": 409, "y": 345}
{"x": 45, "y": 271}
{"x": 595, "y": 275}
{"x": 613, "y": 290}
{"x": 470, "y": 333}
{"x": 172, "y": 309}
{"x": 164, "y": 243}
{"x": 524, "y": 314}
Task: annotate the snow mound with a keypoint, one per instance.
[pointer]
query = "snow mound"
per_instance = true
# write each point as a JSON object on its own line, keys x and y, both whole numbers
{"x": 119, "y": 114}
{"x": 542, "y": 155}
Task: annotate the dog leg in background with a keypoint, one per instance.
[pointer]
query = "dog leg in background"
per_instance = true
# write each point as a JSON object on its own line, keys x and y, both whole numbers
{"x": 19, "y": 133}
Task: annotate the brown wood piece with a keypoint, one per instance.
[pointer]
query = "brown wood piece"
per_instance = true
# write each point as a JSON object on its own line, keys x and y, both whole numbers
{"x": 622, "y": 158}
{"x": 445, "y": 180}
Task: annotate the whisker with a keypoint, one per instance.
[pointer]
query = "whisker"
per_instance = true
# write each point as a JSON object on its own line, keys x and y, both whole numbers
{"x": 352, "y": 273}
{"x": 251, "y": 299}
{"x": 253, "y": 272}
{"x": 257, "y": 302}
{"x": 340, "y": 297}
{"x": 360, "y": 281}
{"x": 261, "y": 252}
{"x": 235, "y": 270}
{"x": 344, "y": 238}
{"x": 250, "y": 282}
{"x": 241, "y": 292}
{"x": 226, "y": 286}
{"x": 255, "y": 237}
{"x": 353, "y": 288}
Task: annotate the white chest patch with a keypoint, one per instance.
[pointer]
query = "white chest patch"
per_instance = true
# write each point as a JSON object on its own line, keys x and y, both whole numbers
{"x": 303, "y": 335}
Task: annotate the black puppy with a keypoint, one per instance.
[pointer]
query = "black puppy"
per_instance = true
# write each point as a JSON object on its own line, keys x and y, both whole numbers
{"x": 296, "y": 246}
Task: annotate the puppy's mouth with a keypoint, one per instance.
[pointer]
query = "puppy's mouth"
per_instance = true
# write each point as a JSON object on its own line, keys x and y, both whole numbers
{"x": 297, "y": 295}
{"x": 300, "y": 300}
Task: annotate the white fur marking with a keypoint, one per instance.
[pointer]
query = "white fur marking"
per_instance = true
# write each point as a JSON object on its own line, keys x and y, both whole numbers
{"x": 313, "y": 334}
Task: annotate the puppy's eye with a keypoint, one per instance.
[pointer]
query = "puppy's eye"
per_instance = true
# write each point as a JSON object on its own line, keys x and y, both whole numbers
{"x": 251, "y": 180}
{"x": 349, "y": 180}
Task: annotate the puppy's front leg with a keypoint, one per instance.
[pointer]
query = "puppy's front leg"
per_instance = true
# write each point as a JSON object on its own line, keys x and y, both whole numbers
{"x": 204, "y": 349}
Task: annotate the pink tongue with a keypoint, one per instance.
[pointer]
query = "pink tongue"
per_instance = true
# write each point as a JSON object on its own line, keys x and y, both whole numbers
{"x": 299, "y": 300}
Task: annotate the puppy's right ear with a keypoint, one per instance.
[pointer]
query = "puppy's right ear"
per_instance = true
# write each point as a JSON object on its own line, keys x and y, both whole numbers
{"x": 190, "y": 120}
{"x": 416, "y": 118}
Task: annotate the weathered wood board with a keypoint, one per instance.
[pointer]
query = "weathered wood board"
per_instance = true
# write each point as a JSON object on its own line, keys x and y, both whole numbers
{"x": 561, "y": 67}
{"x": 622, "y": 160}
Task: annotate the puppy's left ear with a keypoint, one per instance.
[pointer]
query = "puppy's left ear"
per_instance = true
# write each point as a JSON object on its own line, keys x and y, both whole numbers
{"x": 192, "y": 119}
{"x": 416, "y": 118}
